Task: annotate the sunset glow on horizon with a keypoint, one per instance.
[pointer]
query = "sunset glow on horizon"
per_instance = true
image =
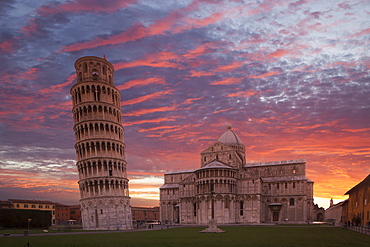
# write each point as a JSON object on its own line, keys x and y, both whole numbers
{"x": 292, "y": 78}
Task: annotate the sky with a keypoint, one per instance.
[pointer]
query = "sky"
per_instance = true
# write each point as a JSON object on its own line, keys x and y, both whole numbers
{"x": 290, "y": 76}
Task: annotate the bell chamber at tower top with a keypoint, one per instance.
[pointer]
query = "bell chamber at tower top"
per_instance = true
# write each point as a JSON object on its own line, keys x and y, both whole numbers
{"x": 92, "y": 68}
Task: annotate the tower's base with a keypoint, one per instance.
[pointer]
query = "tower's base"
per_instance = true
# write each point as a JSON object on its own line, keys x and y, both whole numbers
{"x": 106, "y": 213}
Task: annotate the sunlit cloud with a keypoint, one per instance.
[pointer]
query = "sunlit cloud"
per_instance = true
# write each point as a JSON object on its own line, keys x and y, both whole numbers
{"x": 195, "y": 73}
{"x": 244, "y": 94}
{"x": 141, "y": 82}
{"x": 157, "y": 120}
{"x": 155, "y": 95}
{"x": 227, "y": 81}
{"x": 163, "y": 59}
{"x": 263, "y": 75}
{"x": 59, "y": 87}
{"x": 148, "y": 111}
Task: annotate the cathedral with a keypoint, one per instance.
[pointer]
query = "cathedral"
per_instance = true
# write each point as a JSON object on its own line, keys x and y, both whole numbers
{"x": 230, "y": 190}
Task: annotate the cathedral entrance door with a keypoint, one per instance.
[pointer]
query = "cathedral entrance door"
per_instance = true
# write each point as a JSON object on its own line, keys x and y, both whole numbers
{"x": 275, "y": 216}
{"x": 275, "y": 210}
{"x": 176, "y": 212}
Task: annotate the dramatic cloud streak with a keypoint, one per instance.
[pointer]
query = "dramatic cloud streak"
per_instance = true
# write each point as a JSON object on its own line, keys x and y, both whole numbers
{"x": 292, "y": 77}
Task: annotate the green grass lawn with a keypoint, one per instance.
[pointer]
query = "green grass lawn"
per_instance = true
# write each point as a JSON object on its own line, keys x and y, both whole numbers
{"x": 190, "y": 236}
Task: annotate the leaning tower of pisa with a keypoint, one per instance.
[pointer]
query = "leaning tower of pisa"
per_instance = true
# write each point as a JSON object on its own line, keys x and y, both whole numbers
{"x": 100, "y": 148}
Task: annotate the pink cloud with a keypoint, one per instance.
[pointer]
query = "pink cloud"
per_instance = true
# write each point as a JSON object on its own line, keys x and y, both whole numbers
{"x": 159, "y": 128}
{"x": 156, "y": 120}
{"x": 195, "y": 73}
{"x": 147, "y": 111}
{"x": 198, "y": 51}
{"x": 244, "y": 94}
{"x": 198, "y": 23}
{"x": 229, "y": 67}
{"x": 227, "y": 81}
{"x": 31, "y": 28}
{"x": 133, "y": 33}
{"x": 142, "y": 82}
{"x": 138, "y": 31}
{"x": 357, "y": 130}
{"x": 161, "y": 59}
{"x": 30, "y": 74}
{"x": 146, "y": 97}
{"x": 77, "y": 6}
{"x": 191, "y": 101}
{"x": 215, "y": 112}
{"x": 361, "y": 33}
{"x": 277, "y": 54}
{"x": 7, "y": 46}
{"x": 263, "y": 75}
{"x": 59, "y": 87}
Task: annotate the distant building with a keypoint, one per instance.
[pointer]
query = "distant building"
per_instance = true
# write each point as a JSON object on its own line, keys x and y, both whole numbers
{"x": 230, "y": 190}
{"x": 143, "y": 214}
{"x": 358, "y": 208}
{"x": 67, "y": 215}
{"x": 62, "y": 214}
{"x": 319, "y": 213}
{"x": 345, "y": 217}
{"x": 35, "y": 205}
{"x": 75, "y": 214}
{"x": 6, "y": 204}
{"x": 333, "y": 214}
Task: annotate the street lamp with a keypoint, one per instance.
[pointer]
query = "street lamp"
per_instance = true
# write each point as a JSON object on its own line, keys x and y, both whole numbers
{"x": 29, "y": 220}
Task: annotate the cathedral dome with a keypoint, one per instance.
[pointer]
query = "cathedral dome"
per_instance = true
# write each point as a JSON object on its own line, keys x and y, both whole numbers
{"x": 229, "y": 137}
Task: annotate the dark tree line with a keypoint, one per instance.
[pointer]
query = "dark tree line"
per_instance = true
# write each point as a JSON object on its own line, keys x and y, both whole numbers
{"x": 19, "y": 218}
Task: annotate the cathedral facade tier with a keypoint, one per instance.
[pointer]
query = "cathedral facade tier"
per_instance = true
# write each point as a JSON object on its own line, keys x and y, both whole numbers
{"x": 231, "y": 191}
{"x": 100, "y": 147}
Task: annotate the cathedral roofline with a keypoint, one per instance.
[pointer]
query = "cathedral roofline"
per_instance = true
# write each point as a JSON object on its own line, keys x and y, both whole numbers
{"x": 285, "y": 178}
{"x": 215, "y": 164}
{"x": 274, "y": 163}
{"x": 169, "y": 186}
{"x": 179, "y": 171}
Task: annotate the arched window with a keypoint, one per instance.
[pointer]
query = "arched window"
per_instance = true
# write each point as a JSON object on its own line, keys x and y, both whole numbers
{"x": 227, "y": 203}
{"x": 95, "y": 74}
